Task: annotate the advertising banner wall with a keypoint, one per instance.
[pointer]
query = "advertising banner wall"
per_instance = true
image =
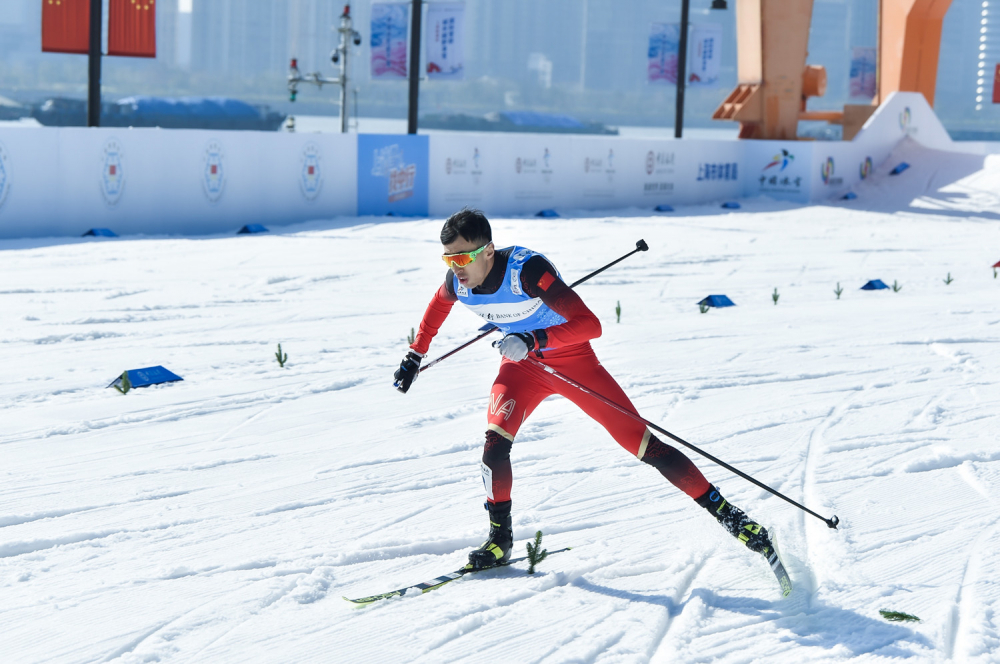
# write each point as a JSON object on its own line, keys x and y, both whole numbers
{"x": 445, "y": 41}
{"x": 464, "y": 171}
{"x": 389, "y": 25}
{"x": 67, "y": 180}
{"x": 63, "y": 181}
{"x": 392, "y": 174}
{"x": 779, "y": 169}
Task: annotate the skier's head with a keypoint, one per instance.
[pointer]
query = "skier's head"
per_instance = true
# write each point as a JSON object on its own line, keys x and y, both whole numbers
{"x": 463, "y": 234}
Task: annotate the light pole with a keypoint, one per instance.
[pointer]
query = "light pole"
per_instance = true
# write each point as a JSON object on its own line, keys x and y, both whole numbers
{"x": 682, "y": 63}
{"x": 682, "y": 53}
{"x": 348, "y": 35}
{"x": 94, "y": 66}
{"x": 415, "y": 17}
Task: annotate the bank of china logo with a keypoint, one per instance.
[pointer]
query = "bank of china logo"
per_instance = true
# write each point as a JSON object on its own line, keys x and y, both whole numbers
{"x": 214, "y": 174}
{"x": 782, "y": 159}
{"x": 866, "y": 168}
{"x": 826, "y": 171}
{"x": 904, "y": 118}
{"x": 4, "y": 174}
{"x": 112, "y": 173}
{"x": 650, "y": 162}
{"x": 311, "y": 179}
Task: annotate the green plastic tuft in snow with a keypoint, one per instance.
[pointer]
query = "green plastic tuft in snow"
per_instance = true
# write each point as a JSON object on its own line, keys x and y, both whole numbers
{"x": 898, "y": 616}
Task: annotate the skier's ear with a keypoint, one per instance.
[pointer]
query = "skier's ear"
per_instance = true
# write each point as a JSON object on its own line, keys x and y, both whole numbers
{"x": 489, "y": 250}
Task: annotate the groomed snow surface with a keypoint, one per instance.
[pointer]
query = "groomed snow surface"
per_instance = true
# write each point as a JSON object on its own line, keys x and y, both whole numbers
{"x": 222, "y": 518}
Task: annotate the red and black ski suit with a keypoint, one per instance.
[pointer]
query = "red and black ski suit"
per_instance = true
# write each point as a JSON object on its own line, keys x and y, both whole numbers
{"x": 521, "y": 386}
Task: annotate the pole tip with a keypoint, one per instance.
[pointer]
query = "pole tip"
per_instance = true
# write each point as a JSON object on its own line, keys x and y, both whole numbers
{"x": 641, "y": 245}
{"x": 833, "y": 522}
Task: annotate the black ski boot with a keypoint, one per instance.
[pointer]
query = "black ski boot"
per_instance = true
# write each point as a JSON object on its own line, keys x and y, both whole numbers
{"x": 736, "y": 522}
{"x": 496, "y": 550}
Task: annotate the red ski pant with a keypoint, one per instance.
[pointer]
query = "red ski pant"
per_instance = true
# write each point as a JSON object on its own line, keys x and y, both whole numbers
{"x": 521, "y": 386}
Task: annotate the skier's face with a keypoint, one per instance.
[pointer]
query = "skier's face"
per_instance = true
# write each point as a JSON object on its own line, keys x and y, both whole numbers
{"x": 474, "y": 273}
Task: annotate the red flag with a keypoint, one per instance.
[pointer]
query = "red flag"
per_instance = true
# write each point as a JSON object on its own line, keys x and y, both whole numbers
{"x": 66, "y": 26}
{"x": 132, "y": 28}
{"x": 996, "y": 85}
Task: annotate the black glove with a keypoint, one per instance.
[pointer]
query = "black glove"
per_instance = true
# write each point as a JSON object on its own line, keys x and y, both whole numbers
{"x": 407, "y": 372}
{"x": 516, "y": 346}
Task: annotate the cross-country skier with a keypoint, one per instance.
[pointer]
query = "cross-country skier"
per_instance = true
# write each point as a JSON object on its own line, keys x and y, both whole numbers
{"x": 522, "y": 293}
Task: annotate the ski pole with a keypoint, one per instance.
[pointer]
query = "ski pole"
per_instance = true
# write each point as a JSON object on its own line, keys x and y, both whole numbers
{"x": 832, "y": 522}
{"x": 490, "y": 329}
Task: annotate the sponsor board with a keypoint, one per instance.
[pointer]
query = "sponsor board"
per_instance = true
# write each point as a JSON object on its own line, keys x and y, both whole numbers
{"x": 533, "y": 171}
{"x": 659, "y": 169}
{"x": 112, "y": 180}
{"x": 598, "y": 177}
{"x": 311, "y": 176}
{"x": 392, "y": 174}
{"x": 827, "y": 171}
{"x": 779, "y": 169}
{"x": 866, "y": 168}
{"x": 213, "y": 179}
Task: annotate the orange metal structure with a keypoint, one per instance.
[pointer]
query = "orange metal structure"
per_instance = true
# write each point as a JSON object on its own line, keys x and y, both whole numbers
{"x": 774, "y": 81}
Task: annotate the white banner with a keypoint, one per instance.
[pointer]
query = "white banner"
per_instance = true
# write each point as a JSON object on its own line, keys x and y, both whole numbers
{"x": 446, "y": 41}
{"x": 388, "y": 44}
{"x": 704, "y": 54}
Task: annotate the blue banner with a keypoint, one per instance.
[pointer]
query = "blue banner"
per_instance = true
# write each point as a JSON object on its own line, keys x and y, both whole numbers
{"x": 392, "y": 174}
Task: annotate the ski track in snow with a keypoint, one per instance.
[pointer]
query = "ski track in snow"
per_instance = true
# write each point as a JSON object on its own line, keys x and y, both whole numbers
{"x": 222, "y": 518}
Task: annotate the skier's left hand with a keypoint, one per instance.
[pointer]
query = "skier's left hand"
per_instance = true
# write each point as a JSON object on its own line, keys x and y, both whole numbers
{"x": 516, "y": 346}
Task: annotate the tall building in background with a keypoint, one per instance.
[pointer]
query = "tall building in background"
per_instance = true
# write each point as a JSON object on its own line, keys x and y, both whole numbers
{"x": 586, "y": 57}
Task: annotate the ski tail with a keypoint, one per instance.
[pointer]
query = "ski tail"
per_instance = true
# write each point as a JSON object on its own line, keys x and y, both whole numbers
{"x": 435, "y": 583}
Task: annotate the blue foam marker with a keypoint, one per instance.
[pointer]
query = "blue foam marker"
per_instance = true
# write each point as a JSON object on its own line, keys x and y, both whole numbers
{"x": 664, "y": 208}
{"x": 148, "y": 376}
{"x": 548, "y": 214}
{"x": 717, "y": 301}
{"x": 731, "y": 205}
{"x": 251, "y": 228}
{"x": 850, "y": 196}
{"x": 902, "y": 166}
{"x": 100, "y": 232}
{"x": 874, "y": 284}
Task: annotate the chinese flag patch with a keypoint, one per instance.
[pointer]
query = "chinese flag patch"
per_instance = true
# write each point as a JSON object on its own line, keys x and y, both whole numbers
{"x": 546, "y": 281}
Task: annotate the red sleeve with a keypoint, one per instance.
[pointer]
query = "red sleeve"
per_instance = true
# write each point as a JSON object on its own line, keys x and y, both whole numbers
{"x": 437, "y": 312}
{"x": 581, "y": 324}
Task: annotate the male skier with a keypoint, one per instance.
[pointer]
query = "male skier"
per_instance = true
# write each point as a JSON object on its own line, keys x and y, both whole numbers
{"x": 521, "y": 292}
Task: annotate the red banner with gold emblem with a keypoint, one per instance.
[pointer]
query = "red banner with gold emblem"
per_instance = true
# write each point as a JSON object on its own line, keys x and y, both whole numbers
{"x": 66, "y": 26}
{"x": 132, "y": 28}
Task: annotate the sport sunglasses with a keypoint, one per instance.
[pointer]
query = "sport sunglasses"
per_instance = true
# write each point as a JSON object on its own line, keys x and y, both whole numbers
{"x": 464, "y": 258}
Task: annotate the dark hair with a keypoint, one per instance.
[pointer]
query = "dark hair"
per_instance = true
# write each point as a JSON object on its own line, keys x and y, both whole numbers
{"x": 470, "y": 224}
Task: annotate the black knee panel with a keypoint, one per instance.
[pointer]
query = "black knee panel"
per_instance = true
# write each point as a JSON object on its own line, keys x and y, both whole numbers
{"x": 497, "y": 449}
{"x": 660, "y": 455}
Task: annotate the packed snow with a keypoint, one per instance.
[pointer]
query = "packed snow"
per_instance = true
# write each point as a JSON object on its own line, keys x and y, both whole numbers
{"x": 222, "y": 518}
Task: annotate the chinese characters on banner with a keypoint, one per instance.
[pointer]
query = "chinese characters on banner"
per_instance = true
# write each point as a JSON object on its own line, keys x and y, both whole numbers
{"x": 445, "y": 41}
{"x": 664, "y": 40}
{"x": 389, "y": 40}
{"x": 704, "y": 54}
{"x": 863, "y": 72}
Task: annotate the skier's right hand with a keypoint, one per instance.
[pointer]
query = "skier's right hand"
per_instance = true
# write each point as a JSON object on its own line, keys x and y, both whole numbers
{"x": 408, "y": 371}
